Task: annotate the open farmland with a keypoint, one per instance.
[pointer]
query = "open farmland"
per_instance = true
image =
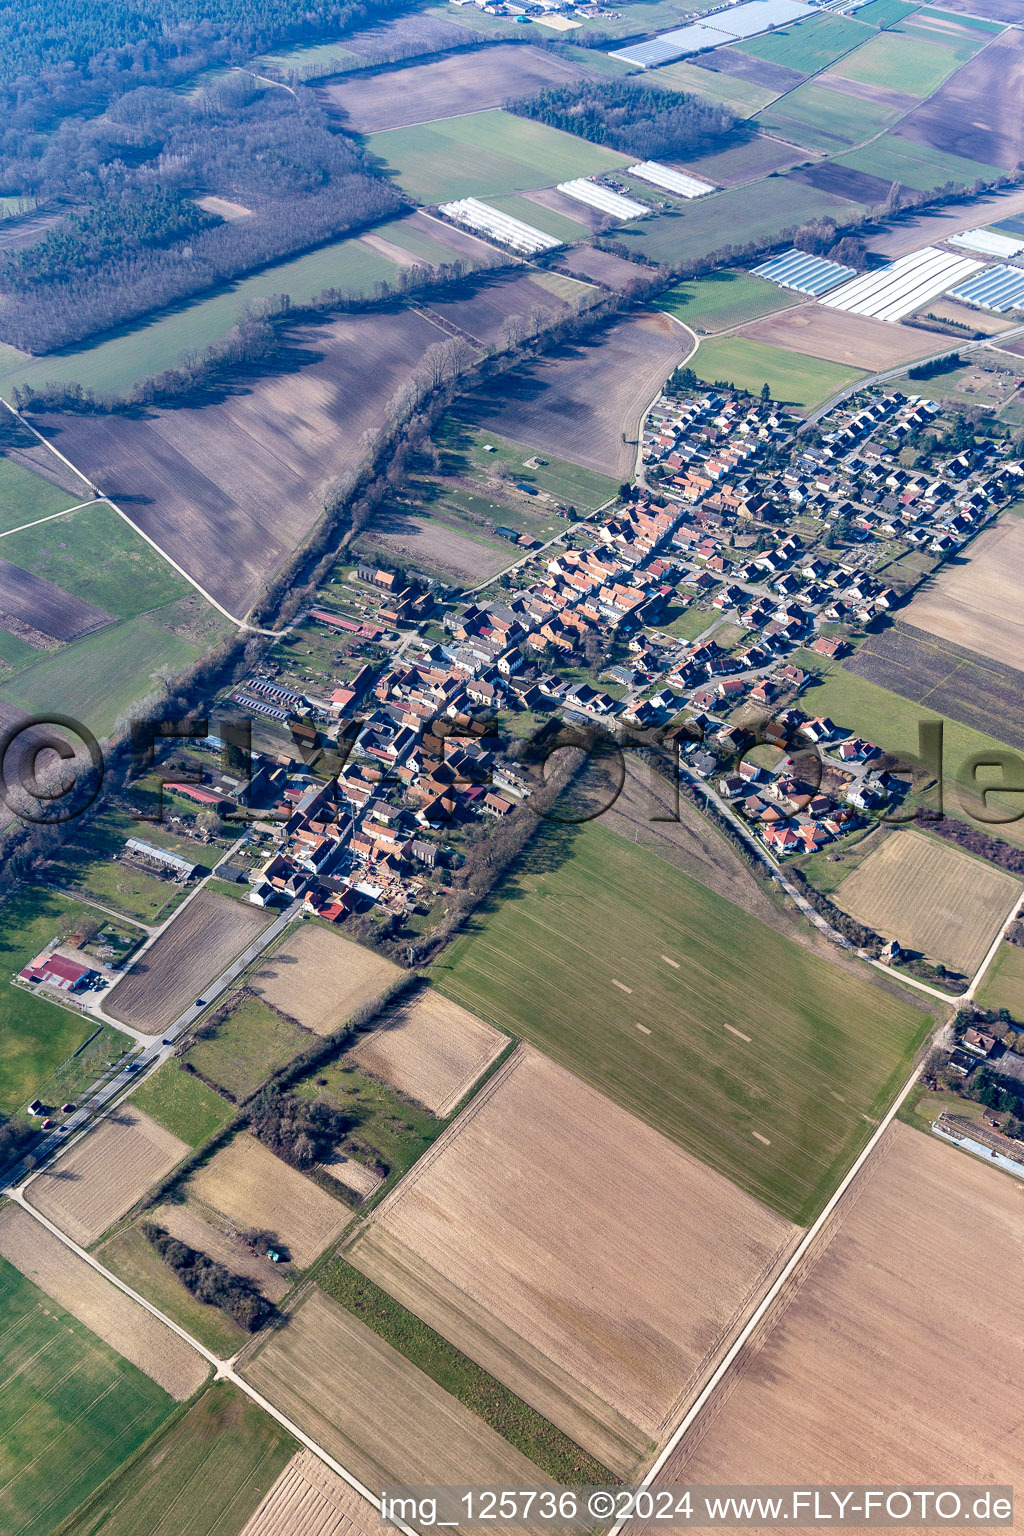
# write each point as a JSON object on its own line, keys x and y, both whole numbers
{"x": 71, "y": 1409}
{"x": 484, "y": 312}
{"x": 778, "y": 1098}
{"x": 201, "y": 1477}
{"x": 243, "y": 1043}
{"x": 85, "y": 1191}
{"x": 188, "y": 1226}
{"x": 917, "y": 164}
{"x": 723, "y": 299}
{"x": 307, "y": 1491}
{"x": 114, "y": 1317}
{"x": 447, "y": 87}
{"x": 816, "y": 117}
{"x": 907, "y": 61}
{"x": 182, "y": 1104}
{"x": 793, "y": 378}
{"x": 735, "y": 64}
{"x": 743, "y": 97}
{"x": 947, "y": 679}
{"x": 861, "y": 1381}
{"x": 811, "y": 45}
{"x": 979, "y": 112}
{"x": 839, "y": 337}
{"x": 251, "y": 1187}
{"x": 320, "y": 979}
{"x": 431, "y": 1049}
{"x": 581, "y": 400}
{"x": 1003, "y": 986}
{"x": 192, "y": 951}
{"x": 231, "y": 488}
{"x": 26, "y": 497}
{"x": 378, "y": 1415}
{"x": 33, "y": 601}
{"x": 974, "y": 599}
{"x": 482, "y": 152}
{"x": 427, "y": 541}
{"x": 533, "y": 1281}
{"x": 931, "y": 897}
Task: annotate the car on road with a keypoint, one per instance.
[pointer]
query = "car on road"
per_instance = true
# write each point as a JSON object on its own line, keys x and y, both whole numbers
{"x": 200, "y": 1002}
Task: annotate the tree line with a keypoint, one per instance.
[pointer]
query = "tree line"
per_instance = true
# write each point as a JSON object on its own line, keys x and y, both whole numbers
{"x": 142, "y": 242}
{"x": 211, "y": 1282}
{"x": 638, "y": 119}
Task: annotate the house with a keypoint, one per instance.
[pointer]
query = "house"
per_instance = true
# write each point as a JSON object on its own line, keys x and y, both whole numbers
{"x": 981, "y": 1044}
{"x": 56, "y": 970}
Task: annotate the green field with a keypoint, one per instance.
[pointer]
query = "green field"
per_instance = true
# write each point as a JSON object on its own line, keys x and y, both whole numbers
{"x": 486, "y": 152}
{"x": 204, "y": 1475}
{"x": 589, "y": 910}
{"x": 1003, "y": 986}
{"x": 25, "y": 497}
{"x": 88, "y": 866}
{"x": 917, "y": 165}
{"x": 816, "y": 117}
{"x": 410, "y": 237}
{"x": 740, "y": 96}
{"x": 758, "y": 212}
{"x": 464, "y": 453}
{"x": 975, "y": 23}
{"x": 113, "y": 365}
{"x": 388, "y": 1128}
{"x": 98, "y": 677}
{"x": 71, "y": 1409}
{"x": 251, "y": 1043}
{"x": 182, "y": 1104}
{"x": 724, "y": 299}
{"x": 555, "y": 224}
{"x": 810, "y": 46}
{"x": 886, "y": 13}
{"x": 36, "y": 1036}
{"x": 909, "y": 60}
{"x": 96, "y": 555}
{"x": 792, "y": 378}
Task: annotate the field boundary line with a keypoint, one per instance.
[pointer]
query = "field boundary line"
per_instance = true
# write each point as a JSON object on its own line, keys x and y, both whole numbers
{"x": 993, "y": 949}
{"x": 803, "y": 1251}
{"x": 79, "y": 506}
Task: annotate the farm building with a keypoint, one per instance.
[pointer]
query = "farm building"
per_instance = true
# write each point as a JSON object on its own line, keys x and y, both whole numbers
{"x": 664, "y": 176}
{"x": 163, "y": 856}
{"x": 55, "y": 970}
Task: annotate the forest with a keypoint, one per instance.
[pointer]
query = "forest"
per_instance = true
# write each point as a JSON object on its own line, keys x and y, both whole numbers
{"x": 626, "y": 115}
{"x": 138, "y": 241}
{"x": 301, "y": 1131}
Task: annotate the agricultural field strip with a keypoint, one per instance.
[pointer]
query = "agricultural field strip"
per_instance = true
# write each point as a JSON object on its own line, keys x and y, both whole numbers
{"x": 50, "y": 516}
{"x": 899, "y": 289}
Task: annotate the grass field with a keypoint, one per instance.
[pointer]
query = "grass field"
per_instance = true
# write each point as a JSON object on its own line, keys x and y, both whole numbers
{"x": 792, "y": 378}
{"x": 71, "y": 1409}
{"x": 906, "y": 61}
{"x": 810, "y": 46}
{"x": 97, "y": 678}
{"x": 917, "y": 165}
{"x": 558, "y": 225}
{"x": 816, "y": 117}
{"x": 182, "y": 1104}
{"x": 112, "y": 366}
{"x": 464, "y": 452}
{"x": 203, "y": 1476}
{"x": 89, "y": 866}
{"x": 725, "y": 1064}
{"x": 932, "y": 897}
{"x": 25, "y": 498}
{"x": 250, "y": 1043}
{"x": 754, "y": 212}
{"x": 36, "y": 1036}
{"x": 724, "y": 299}
{"x": 97, "y": 556}
{"x": 886, "y": 13}
{"x": 486, "y": 152}
{"x": 389, "y": 1128}
{"x": 741, "y": 96}
{"x": 1003, "y": 986}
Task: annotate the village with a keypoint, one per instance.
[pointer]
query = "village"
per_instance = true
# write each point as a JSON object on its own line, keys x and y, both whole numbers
{"x": 696, "y": 608}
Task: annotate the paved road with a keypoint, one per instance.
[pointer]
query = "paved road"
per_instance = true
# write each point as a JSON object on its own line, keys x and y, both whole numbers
{"x": 154, "y": 1052}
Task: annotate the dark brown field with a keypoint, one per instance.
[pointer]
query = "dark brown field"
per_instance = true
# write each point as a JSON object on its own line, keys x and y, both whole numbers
{"x": 32, "y": 600}
{"x": 844, "y": 181}
{"x": 840, "y": 337}
{"x": 448, "y": 87}
{"x": 744, "y": 66}
{"x": 593, "y": 266}
{"x": 979, "y": 112}
{"x": 230, "y": 489}
{"x": 583, "y": 400}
